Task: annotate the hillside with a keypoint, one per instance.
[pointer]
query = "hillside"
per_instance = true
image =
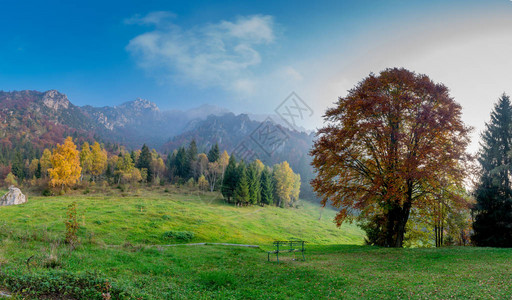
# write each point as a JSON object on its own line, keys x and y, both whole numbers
{"x": 117, "y": 254}
{"x": 144, "y": 216}
{"x": 33, "y": 120}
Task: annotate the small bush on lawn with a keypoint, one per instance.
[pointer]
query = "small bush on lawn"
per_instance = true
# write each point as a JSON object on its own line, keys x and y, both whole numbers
{"x": 63, "y": 284}
{"x": 179, "y": 235}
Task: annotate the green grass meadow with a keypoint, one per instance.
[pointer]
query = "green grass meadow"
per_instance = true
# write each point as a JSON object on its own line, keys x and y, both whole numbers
{"x": 123, "y": 242}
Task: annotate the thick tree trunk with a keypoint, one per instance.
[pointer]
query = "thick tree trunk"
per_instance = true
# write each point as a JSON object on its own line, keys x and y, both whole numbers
{"x": 402, "y": 222}
{"x": 396, "y": 222}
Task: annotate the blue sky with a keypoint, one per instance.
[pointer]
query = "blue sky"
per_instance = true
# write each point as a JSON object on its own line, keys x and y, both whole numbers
{"x": 248, "y": 56}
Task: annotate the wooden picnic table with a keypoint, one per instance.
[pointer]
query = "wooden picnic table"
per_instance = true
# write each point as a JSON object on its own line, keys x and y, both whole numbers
{"x": 288, "y": 246}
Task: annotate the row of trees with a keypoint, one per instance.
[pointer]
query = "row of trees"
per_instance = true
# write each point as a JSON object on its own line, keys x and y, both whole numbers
{"x": 240, "y": 183}
{"x": 185, "y": 164}
{"x": 255, "y": 183}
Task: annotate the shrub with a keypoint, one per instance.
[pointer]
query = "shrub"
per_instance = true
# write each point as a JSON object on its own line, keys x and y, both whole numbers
{"x": 59, "y": 284}
{"x": 190, "y": 183}
{"x": 72, "y": 226}
{"x": 179, "y": 235}
{"x": 202, "y": 183}
{"x": 10, "y": 180}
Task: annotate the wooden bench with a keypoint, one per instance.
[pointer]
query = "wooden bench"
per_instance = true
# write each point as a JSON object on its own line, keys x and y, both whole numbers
{"x": 288, "y": 246}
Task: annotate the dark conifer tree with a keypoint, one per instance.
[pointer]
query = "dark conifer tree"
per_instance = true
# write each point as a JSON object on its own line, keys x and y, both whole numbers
{"x": 109, "y": 173}
{"x": 230, "y": 179}
{"x": 17, "y": 166}
{"x": 493, "y": 210}
{"x": 214, "y": 153}
{"x": 267, "y": 187}
{"x": 38, "y": 170}
{"x": 134, "y": 156}
{"x": 253, "y": 178}
{"x": 144, "y": 162}
{"x": 242, "y": 196}
{"x": 182, "y": 164}
{"x": 171, "y": 166}
{"x": 192, "y": 158}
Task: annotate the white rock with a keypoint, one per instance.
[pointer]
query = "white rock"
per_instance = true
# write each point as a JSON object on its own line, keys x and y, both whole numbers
{"x": 13, "y": 197}
{"x": 55, "y": 100}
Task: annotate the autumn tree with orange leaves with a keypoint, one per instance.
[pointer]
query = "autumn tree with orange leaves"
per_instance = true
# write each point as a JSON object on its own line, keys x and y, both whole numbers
{"x": 385, "y": 149}
{"x": 65, "y": 162}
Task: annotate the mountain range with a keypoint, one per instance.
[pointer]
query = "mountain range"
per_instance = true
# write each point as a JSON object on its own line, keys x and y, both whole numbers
{"x": 43, "y": 119}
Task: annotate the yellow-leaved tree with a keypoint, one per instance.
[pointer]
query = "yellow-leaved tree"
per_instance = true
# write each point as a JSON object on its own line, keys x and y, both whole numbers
{"x": 65, "y": 162}
{"x": 285, "y": 179}
{"x": 223, "y": 162}
{"x": 99, "y": 160}
{"x": 202, "y": 183}
{"x": 296, "y": 189}
{"x": 46, "y": 162}
{"x": 259, "y": 166}
{"x": 86, "y": 159}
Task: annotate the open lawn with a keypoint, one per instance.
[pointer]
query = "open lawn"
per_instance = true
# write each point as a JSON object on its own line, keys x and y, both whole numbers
{"x": 122, "y": 242}
{"x": 143, "y": 217}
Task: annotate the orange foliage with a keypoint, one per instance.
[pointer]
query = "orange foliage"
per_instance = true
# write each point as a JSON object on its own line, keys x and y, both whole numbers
{"x": 385, "y": 146}
{"x": 65, "y": 162}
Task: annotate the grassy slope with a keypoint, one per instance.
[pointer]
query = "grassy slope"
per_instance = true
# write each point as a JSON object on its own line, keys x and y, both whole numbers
{"x": 144, "y": 216}
{"x": 203, "y": 272}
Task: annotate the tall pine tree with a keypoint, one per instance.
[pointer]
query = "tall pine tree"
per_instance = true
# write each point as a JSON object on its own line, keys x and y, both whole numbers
{"x": 267, "y": 187}
{"x": 144, "y": 162}
{"x": 242, "y": 193}
{"x": 253, "y": 178}
{"x": 192, "y": 157}
{"x": 230, "y": 179}
{"x": 493, "y": 210}
{"x": 214, "y": 153}
{"x": 17, "y": 166}
{"x": 182, "y": 164}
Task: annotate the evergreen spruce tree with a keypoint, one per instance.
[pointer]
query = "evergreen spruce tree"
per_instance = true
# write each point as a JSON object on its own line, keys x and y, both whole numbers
{"x": 171, "y": 166}
{"x": 144, "y": 162}
{"x": 493, "y": 210}
{"x": 134, "y": 156}
{"x": 242, "y": 196}
{"x": 214, "y": 153}
{"x": 253, "y": 178}
{"x": 38, "y": 170}
{"x": 17, "y": 167}
{"x": 182, "y": 164}
{"x": 192, "y": 158}
{"x": 109, "y": 173}
{"x": 267, "y": 187}
{"x": 230, "y": 179}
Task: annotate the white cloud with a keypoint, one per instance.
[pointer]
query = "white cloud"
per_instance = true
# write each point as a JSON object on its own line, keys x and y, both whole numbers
{"x": 153, "y": 18}
{"x": 224, "y": 54}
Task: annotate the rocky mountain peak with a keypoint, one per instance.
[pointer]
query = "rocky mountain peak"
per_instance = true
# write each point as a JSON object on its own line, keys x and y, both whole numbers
{"x": 55, "y": 100}
{"x": 140, "y": 104}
